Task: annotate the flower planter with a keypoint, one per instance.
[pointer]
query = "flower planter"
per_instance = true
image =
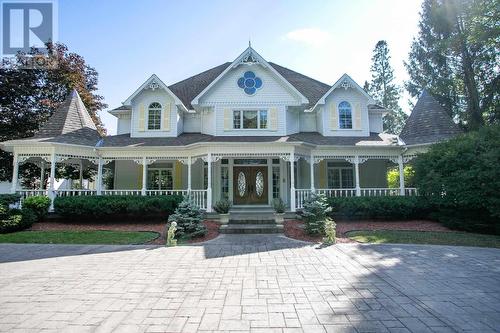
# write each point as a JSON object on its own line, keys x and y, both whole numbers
{"x": 224, "y": 218}
{"x": 279, "y": 218}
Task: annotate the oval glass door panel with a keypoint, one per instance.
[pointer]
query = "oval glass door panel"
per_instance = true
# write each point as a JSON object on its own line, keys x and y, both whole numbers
{"x": 242, "y": 184}
{"x": 259, "y": 184}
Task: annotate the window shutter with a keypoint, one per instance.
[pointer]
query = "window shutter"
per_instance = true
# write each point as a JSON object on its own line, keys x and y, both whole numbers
{"x": 142, "y": 116}
{"x": 166, "y": 116}
{"x": 322, "y": 174}
{"x": 178, "y": 176}
{"x": 357, "y": 116}
{"x": 273, "y": 119}
{"x": 334, "y": 117}
{"x": 227, "y": 120}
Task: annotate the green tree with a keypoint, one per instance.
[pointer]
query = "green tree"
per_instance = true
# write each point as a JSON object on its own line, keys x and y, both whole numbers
{"x": 455, "y": 57}
{"x": 384, "y": 90}
{"x": 28, "y": 96}
{"x": 393, "y": 177}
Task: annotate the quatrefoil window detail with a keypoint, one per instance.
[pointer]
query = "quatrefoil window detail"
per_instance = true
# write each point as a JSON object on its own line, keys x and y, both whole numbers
{"x": 250, "y": 83}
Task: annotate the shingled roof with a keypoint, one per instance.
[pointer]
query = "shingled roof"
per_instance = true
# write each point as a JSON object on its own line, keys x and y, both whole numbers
{"x": 70, "y": 123}
{"x": 191, "y": 87}
{"x": 428, "y": 123}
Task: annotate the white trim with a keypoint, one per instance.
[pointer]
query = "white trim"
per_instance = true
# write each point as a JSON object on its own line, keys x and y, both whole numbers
{"x": 260, "y": 61}
{"x": 162, "y": 85}
{"x": 336, "y": 85}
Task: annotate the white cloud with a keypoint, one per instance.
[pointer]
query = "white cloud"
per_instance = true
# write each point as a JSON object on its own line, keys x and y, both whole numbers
{"x": 311, "y": 36}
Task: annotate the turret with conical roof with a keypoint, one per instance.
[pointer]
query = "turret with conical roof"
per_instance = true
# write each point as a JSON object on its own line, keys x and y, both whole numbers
{"x": 428, "y": 123}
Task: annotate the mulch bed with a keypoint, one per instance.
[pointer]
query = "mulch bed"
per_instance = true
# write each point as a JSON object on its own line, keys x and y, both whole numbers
{"x": 295, "y": 228}
{"x": 159, "y": 227}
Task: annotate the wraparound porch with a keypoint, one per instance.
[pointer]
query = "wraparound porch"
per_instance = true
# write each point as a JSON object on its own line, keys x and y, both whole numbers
{"x": 215, "y": 175}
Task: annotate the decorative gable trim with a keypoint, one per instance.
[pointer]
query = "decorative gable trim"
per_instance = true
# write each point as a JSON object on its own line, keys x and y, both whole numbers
{"x": 154, "y": 83}
{"x": 250, "y": 57}
{"x": 344, "y": 82}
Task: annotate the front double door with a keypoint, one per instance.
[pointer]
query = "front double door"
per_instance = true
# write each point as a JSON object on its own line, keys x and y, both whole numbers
{"x": 250, "y": 185}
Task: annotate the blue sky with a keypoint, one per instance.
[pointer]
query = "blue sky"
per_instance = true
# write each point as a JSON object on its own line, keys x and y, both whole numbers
{"x": 128, "y": 41}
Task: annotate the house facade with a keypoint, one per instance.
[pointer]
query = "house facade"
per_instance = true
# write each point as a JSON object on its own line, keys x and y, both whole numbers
{"x": 249, "y": 131}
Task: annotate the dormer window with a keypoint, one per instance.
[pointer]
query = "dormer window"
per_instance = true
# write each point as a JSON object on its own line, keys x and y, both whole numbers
{"x": 345, "y": 115}
{"x": 154, "y": 116}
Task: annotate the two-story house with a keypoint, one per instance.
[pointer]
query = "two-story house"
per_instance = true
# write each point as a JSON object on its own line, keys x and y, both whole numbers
{"x": 248, "y": 131}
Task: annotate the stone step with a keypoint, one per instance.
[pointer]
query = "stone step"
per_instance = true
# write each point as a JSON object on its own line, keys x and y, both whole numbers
{"x": 251, "y": 229}
{"x": 247, "y": 220}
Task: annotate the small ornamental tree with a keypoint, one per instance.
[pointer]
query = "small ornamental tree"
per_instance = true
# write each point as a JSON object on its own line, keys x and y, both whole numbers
{"x": 315, "y": 212}
{"x": 189, "y": 220}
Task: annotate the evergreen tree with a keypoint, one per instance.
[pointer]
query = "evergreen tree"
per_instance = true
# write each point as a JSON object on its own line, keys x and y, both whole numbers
{"x": 384, "y": 90}
{"x": 455, "y": 57}
{"x": 189, "y": 220}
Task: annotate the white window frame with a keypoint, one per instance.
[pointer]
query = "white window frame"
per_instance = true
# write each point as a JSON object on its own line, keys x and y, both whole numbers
{"x": 160, "y": 109}
{"x": 340, "y": 168}
{"x": 241, "y": 111}
{"x": 161, "y": 169}
{"x": 338, "y": 108}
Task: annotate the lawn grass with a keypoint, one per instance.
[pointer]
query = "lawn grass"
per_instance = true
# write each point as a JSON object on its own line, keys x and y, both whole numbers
{"x": 79, "y": 237}
{"x": 424, "y": 237}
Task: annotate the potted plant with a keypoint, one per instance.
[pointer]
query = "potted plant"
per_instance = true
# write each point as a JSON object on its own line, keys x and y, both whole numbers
{"x": 279, "y": 210}
{"x": 222, "y": 207}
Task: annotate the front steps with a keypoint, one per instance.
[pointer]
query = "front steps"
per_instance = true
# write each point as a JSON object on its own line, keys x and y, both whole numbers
{"x": 251, "y": 220}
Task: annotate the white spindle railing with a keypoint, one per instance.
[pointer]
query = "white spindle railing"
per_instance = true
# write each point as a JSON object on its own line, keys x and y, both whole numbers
{"x": 121, "y": 192}
{"x": 74, "y": 193}
{"x": 31, "y": 193}
{"x": 411, "y": 191}
{"x": 199, "y": 198}
{"x": 379, "y": 192}
{"x": 301, "y": 195}
{"x": 337, "y": 192}
{"x": 167, "y": 192}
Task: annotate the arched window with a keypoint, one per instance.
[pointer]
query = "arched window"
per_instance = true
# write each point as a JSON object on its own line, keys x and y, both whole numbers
{"x": 154, "y": 116}
{"x": 345, "y": 115}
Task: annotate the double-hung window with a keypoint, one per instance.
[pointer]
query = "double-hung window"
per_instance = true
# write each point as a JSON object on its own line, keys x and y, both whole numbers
{"x": 250, "y": 119}
{"x": 154, "y": 116}
{"x": 345, "y": 115}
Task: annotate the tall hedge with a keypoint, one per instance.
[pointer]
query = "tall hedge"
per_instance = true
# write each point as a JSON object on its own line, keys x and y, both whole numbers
{"x": 115, "y": 207}
{"x": 462, "y": 177}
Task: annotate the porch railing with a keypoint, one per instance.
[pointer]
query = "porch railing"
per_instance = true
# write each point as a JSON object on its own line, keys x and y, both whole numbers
{"x": 120, "y": 192}
{"x": 74, "y": 193}
{"x": 301, "y": 195}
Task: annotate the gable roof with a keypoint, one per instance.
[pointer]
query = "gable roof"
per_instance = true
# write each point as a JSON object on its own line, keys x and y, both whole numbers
{"x": 153, "y": 79}
{"x": 428, "y": 123}
{"x": 70, "y": 123}
{"x": 250, "y": 56}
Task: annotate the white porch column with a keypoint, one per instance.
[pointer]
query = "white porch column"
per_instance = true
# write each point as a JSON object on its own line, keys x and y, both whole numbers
{"x": 356, "y": 168}
{"x": 209, "y": 182}
{"x": 292, "y": 182}
{"x": 99, "y": 176}
{"x": 52, "y": 192}
{"x": 401, "y": 176}
{"x": 144, "y": 175}
{"x": 311, "y": 165}
{"x": 189, "y": 174}
{"x": 81, "y": 174}
{"x": 15, "y": 174}
{"x": 42, "y": 174}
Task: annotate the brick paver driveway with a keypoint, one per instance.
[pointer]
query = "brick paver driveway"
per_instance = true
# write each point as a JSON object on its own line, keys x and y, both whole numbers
{"x": 235, "y": 283}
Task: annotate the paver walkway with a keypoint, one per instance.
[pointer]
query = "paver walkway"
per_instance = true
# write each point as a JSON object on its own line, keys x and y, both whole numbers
{"x": 249, "y": 284}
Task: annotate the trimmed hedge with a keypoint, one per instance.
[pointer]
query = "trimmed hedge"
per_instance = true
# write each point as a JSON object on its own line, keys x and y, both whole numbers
{"x": 387, "y": 208}
{"x": 39, "y": 205}
{"x": 7, "y": 199}
{"x": 115, "y": 206}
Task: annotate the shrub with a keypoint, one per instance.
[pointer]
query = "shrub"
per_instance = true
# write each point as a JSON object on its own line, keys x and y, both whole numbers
{"x": 39, "y": 205}
{"x": 222, "y": 206}
{"x": 279, "y": 206}
{"x": 388, "y": 208}
{"x": 315, "y": 213}
{"x": 15, "y": 219}
{"x": 393, "y": 177}
{"x": 115, "y": 206}
{"x": 7, "y": 199}
{"x": 462, "y": 177}
{"x": 189, "y": 220}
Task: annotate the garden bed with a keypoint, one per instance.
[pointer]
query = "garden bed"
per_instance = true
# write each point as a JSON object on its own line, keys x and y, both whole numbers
{"x": 295, "y": 228}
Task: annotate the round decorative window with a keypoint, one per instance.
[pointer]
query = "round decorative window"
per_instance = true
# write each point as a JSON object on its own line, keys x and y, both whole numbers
{"x": 250, "y": 83}
{"x": 242, "y": 184}
{"x": 259, "y": 184}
